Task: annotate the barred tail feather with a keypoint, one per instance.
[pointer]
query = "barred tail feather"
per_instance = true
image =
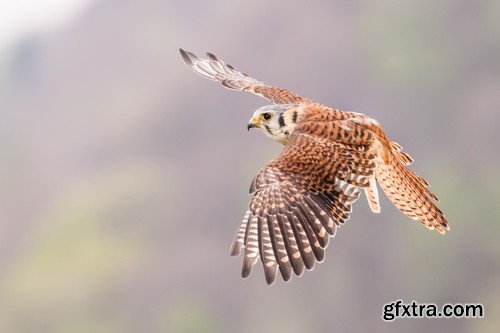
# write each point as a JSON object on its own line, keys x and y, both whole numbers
{"x": 371, "y": 193}
{"x": 410, "y": 194}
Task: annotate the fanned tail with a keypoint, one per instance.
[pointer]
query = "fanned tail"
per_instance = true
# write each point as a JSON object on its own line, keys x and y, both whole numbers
{"x": 409, "y": 192}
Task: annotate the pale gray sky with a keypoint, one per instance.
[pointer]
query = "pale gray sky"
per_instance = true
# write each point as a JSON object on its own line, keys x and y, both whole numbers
{"x": 21, "y": 17}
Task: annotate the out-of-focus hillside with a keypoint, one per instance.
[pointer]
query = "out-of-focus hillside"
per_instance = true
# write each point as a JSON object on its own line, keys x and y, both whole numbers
{"x": 123, "y": 176}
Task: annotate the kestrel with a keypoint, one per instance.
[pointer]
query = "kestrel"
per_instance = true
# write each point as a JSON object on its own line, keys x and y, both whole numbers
{"x": 306, "y": 192}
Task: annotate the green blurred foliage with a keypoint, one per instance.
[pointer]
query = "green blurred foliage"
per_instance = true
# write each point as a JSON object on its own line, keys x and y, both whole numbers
{"x": 123, "y": 176}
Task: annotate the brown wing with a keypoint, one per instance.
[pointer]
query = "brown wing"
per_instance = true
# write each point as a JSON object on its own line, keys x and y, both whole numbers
{"x": 409, "y": 192}
{"x": 299, "y": 199}
{"x": 215, "y": 69}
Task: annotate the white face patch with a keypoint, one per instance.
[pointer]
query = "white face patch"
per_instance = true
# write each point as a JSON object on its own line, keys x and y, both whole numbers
{"x": 274, "y": 121}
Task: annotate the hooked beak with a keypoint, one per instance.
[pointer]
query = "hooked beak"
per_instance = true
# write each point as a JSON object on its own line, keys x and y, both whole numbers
{"x": 252, "y": 123}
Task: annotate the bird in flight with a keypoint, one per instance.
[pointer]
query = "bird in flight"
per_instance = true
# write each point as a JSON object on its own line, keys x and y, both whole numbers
{"x": 304, "y": 194}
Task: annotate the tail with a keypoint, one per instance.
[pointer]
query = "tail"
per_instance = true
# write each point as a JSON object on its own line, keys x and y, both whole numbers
{"x": 409, "y": 192}
{"x": 371, "y": 193}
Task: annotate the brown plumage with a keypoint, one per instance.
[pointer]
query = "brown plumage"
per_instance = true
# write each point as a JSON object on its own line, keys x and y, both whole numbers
{"x": 302, "y": 196}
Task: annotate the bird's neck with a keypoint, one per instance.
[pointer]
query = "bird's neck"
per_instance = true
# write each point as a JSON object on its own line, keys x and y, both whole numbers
{"x": 290, "y": 119}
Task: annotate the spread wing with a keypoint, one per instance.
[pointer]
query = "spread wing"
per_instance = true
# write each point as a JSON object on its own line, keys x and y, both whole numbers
{"x": 215, "y": 69}
{"x": 299, "y": 200}
{"x": 409, "y": 192}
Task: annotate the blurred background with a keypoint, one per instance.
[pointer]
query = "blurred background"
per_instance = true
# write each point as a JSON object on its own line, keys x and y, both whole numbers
{"x": 123, "y": 175}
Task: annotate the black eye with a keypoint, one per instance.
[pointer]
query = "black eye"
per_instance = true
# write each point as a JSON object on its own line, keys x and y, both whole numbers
{"x": 266, "y": 116}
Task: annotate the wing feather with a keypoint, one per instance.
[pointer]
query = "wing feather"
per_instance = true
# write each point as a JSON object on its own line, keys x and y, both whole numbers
{"x": 318, "y": 241}
{"x": 304, "y": 246}
{"x": 215, "y": 69}
{"x": 268, "y": 255}
{"x": 297, "y": 204}
{"x": 279, "y": 247}
{"x": 251, "y": 253}
{"x": 291, "y": 245}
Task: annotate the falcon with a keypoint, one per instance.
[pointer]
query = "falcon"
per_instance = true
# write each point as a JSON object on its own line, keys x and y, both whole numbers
{"x": 302, "y": 196}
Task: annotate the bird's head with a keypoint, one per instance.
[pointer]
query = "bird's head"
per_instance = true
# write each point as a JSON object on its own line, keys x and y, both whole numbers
{"x": 276, "y": 121}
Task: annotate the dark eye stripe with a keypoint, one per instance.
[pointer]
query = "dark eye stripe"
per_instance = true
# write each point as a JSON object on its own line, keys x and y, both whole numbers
{"x": 294, "y": 117}
{"x": 281, "y": 121}
{"x": 268, "y": 129}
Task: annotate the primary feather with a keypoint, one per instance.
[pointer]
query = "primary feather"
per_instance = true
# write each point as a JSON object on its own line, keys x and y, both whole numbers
{"x": 301, "y": 197}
